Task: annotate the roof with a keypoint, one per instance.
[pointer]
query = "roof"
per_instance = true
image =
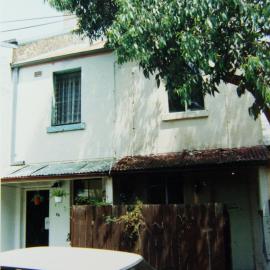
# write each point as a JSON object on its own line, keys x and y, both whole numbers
{"x": 68, "y": 258}
{"x": 63, "y": 53}
{"x": 67, "y": 169}
{"x": 185, "y": 159}
{"x": 7, "y": 44}
{"x": 179, "y": 160}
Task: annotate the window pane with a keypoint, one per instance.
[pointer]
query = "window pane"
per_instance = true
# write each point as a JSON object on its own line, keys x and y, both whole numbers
{"x": 67, "y": 98}
{"x": 88, "y": 191}
{"x": 197, "y": 101}
{"x": 156, "y": 190}
{"x": 175, "y": 104}
{"x": 175, "y": 192}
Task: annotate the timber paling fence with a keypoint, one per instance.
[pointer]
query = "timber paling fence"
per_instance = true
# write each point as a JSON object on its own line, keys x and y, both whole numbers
{"x": 172, "y": 237}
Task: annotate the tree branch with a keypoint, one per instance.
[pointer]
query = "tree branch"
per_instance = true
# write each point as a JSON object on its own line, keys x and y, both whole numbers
{"x": 266, "y": 112}
{"x": 236, "y": 79}
{"x": 233, "y": 79}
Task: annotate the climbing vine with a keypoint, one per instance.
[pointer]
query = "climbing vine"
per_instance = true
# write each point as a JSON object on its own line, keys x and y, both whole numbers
{"x": 132, "y": 220}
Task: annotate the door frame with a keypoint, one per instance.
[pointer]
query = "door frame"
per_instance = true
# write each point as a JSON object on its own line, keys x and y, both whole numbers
{"x": 24, "y": 221}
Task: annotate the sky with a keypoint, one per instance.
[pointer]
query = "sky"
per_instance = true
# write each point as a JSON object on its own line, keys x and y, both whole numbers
{"x": 30, "y": 10}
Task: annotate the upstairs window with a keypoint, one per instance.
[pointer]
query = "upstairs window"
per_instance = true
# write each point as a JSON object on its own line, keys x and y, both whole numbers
{"x": 175, "y": 104}
{"x": 67, "y": 98}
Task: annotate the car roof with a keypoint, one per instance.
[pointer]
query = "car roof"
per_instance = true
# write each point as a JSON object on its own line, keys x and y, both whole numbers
{"x": 68, "y": 258}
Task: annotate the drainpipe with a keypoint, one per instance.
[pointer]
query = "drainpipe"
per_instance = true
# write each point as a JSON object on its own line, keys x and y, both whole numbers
{"x": 114, "y": 109}
{"x": 133, "y": 89}
{"x": 15, "y": 80}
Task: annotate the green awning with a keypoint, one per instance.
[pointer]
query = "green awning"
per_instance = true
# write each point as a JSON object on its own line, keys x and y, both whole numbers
{"x": 67, "y": 169}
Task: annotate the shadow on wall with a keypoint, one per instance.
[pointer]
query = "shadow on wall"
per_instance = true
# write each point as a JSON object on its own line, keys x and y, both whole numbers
{"x": 141, "y": 130}
{"x": 123, "y": 114}
{"x": 138, "y": 112}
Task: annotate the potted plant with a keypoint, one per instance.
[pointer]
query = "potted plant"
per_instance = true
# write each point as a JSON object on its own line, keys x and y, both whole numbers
{"x": 58, "y": 194}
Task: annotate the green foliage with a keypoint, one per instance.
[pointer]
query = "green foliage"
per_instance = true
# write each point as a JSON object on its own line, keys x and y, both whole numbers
{"x": 84, "y": 200}
{"x": 189, "y": 45}
{"x": 58, "y": 192}
{"x": 133, "y": 220}
{"x": 94, "y": 16}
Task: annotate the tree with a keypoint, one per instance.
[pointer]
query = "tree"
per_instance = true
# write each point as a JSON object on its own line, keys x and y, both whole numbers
{"x": 189, "y": 44}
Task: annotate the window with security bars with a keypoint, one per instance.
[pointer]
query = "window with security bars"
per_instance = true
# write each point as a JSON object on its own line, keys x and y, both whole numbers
{"x": 67, "y": 98}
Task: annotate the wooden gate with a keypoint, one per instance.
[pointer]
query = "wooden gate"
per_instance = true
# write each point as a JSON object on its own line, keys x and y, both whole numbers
{"x": 173, "y": 237}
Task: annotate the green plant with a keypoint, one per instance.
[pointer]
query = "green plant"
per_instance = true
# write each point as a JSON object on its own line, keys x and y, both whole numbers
{"x": 58, "y": 192}
{"x": 84, "y": 200}
{"x": 133, "y": 220}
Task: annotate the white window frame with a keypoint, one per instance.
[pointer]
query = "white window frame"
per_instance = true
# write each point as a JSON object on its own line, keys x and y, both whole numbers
{"x": 187, "y": 114}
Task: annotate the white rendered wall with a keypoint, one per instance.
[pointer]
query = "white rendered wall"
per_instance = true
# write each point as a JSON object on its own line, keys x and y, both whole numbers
{"x": 123, "y": 113}
{"x": 59, "y": 215}
{"x": 262, "y": 235}
{"x": 108, "y": 183}
{"x": 265, "y": 129}
{"x": 33, "y": 143}
{"x": 6, "y": 219}
{"x": 13, "y": 216}
{"x": 140, "y": 128}
{"x": 10, "y": 218}
{"x": 5, "y": 106}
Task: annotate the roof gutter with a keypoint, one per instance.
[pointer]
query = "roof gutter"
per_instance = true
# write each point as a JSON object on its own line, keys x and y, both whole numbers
{"x": 8, "y": 45}
{"x": 25, "y": 179}
{"x": 60, "y": 57}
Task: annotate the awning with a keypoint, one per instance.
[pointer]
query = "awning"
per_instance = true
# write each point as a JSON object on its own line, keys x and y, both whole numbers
{"x": 190, "y": 159}
{"x": 257, "y": 155}
{"x": 63, "y": 170}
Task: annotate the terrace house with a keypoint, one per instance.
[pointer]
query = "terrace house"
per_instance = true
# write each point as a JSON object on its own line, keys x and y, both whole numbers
{"x": 100, "y": 131}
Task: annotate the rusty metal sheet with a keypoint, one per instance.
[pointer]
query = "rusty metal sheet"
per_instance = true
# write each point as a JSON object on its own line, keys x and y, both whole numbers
{"x": 187, "y": 158}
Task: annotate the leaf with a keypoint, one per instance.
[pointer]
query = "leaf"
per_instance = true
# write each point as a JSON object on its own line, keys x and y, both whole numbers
{"x": 211, "y": 63}
{"x": 209, "y": 23}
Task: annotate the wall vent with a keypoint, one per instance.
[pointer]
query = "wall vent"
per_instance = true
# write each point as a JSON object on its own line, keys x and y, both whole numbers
{"x": 38, "y": 74}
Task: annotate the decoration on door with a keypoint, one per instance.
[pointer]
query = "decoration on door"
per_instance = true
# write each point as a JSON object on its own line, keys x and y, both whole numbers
{"x": 37, "y": 199}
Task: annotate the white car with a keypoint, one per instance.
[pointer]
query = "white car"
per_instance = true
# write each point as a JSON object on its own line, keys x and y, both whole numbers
{"x": 68, "y": 258}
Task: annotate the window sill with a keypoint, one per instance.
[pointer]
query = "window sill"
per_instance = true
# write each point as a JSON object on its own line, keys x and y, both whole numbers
{"x": 185, "y": 115}
{"x": 63, "y": 128}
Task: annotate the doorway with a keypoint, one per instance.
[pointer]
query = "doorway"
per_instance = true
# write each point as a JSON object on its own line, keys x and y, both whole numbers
{"x": 37, "y": 214}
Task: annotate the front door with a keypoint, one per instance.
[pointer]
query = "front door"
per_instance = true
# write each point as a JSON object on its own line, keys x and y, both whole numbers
{"x": 37, "y": 210}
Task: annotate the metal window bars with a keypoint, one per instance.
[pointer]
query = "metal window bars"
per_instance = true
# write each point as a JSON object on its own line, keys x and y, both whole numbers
{"x": 66, "y": 107}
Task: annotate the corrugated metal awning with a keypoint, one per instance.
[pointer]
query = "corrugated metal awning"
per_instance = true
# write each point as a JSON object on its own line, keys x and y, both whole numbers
{"x": 179, "y": 160}
{"x": 55, "y": 170}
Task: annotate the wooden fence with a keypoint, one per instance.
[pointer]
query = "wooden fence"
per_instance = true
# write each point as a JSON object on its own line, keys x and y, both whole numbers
{"x": 173, "y": 237}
